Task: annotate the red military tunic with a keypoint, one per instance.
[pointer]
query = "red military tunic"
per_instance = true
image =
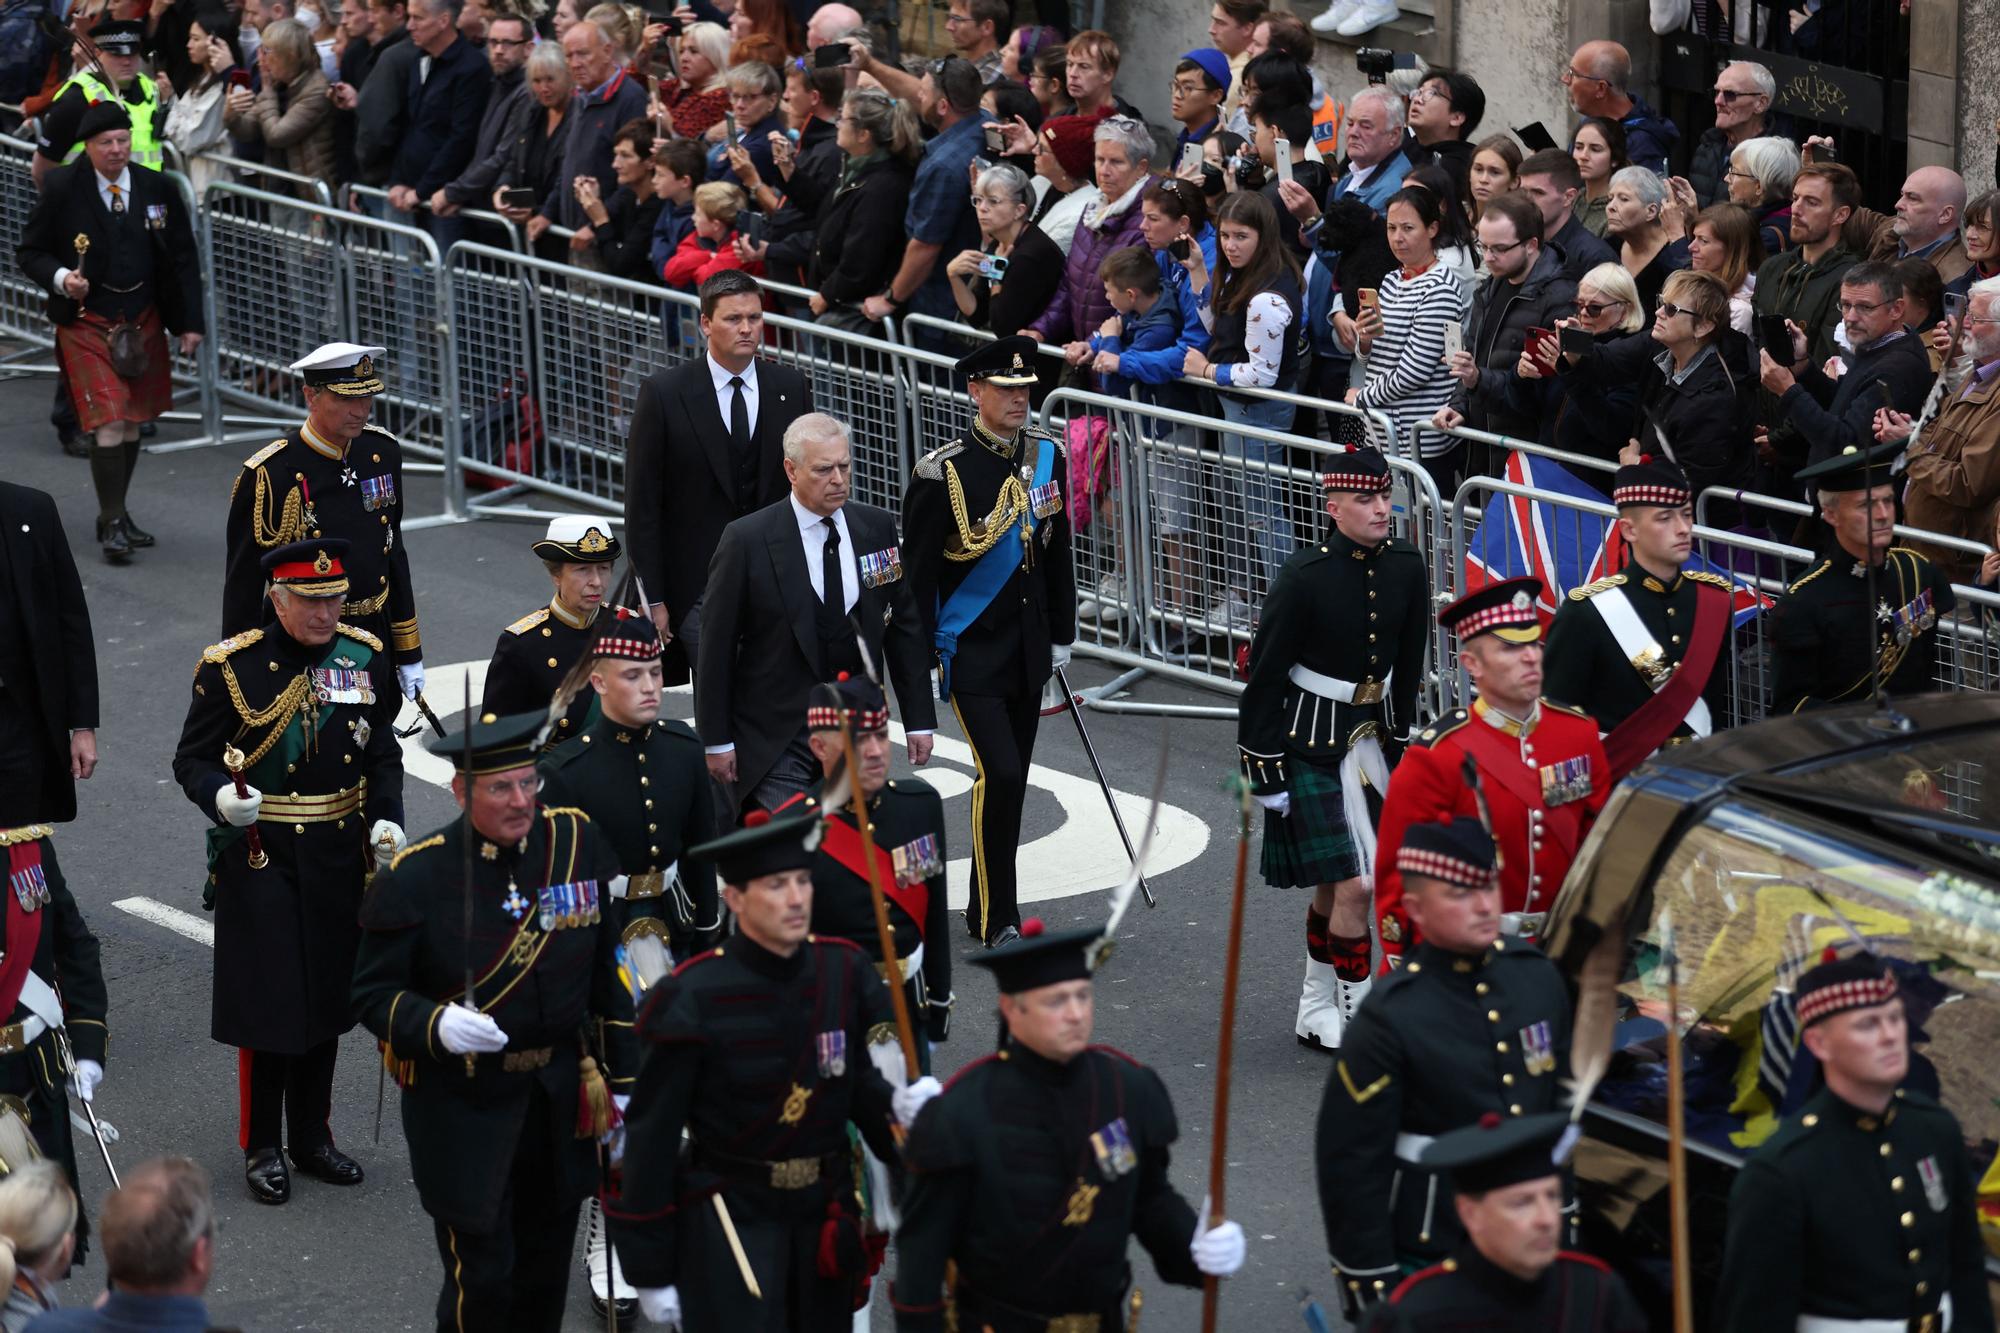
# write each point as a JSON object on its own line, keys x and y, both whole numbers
{"x": 1544, "y": 788}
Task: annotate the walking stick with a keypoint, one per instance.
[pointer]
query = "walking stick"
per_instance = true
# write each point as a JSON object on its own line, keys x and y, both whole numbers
{"x": 1676, "y": 1131}
{"x": 1218, "y": 1151}
{"x": 905, "y": 1032}
{"x": 471, "y": 1060}
{"x": 1090, "y": 751}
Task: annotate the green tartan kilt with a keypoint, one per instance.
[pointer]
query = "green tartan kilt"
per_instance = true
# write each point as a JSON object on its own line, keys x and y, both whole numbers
{"x": 1311, "y": 845}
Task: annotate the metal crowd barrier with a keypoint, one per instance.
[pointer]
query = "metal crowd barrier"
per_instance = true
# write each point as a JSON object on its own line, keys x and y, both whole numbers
{"x": 259, "y": 176}
{"x": 353, "y": 193}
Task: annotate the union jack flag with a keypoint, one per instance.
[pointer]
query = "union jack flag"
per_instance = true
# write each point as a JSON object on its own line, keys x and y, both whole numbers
{"x": 1564, "y": 547}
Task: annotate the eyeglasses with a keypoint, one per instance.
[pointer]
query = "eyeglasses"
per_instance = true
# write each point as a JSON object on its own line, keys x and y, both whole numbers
{"x": 1667, "y": 310}
{"x": 1490, "y": 250}
{"x": 1574, "y": 75}
{"x": 1428, "y": 91}
{"x": 1732, "y": 174}
{"x": 991, "y": 200}
{"x": 1860, "y": 307}
{"x": 953, "y": 20}
{"x": 1982, "y": 319}
{"x": 1592, "y": 309}
{"x": 1729, "y": 95}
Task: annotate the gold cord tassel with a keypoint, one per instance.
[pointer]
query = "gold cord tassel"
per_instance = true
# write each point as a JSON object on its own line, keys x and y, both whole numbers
{"x": 595, "y": 1114}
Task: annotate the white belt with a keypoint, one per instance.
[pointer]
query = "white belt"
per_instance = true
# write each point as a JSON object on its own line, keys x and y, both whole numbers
{"x": 1326, "y": 687}
{"x": 1410, "y": 1147}
{"x": 1816, "y": 1323}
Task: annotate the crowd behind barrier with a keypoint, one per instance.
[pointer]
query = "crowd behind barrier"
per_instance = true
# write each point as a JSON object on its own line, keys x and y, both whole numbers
{"x": 520, "y": 374}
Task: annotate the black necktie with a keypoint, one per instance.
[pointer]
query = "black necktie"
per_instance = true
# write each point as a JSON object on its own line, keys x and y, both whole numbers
{"x": 739, "y": 413}
{"x": 834, "y": 593}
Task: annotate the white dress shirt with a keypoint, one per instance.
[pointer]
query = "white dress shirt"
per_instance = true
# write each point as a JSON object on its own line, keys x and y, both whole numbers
{"x": 124, "y": 184}
{"x": 725, "y": 394}
{"x": 812, "y": 534}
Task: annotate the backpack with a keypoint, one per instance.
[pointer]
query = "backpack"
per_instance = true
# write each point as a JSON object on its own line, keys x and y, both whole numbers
{"x": 26, "y": 47}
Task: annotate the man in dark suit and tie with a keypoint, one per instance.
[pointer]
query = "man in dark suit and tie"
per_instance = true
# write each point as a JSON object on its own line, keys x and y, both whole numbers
{"x": 705, "y": 450}
{"x": 790, "y": 586}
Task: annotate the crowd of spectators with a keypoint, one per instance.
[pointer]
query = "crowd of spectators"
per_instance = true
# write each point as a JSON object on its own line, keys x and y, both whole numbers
{"x": 1726, "y": 294}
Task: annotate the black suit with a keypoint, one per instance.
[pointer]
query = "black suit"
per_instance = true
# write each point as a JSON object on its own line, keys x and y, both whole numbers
{"x": 70, "y": 206}
{"x": 761, "y": 646}
{"x": 48, "y": 661}
{"x": 681, "y": 480}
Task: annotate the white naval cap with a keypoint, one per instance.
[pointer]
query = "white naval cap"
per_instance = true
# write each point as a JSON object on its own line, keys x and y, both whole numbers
{"x": 346, "y": 368}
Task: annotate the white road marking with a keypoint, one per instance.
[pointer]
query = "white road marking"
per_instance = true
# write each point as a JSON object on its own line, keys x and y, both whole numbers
{"x": 1080, "y": 855}
{"x": 198, "y": 929}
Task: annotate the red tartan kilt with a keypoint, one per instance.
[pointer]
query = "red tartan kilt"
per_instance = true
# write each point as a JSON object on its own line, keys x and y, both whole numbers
{"x": 101, "y": 397}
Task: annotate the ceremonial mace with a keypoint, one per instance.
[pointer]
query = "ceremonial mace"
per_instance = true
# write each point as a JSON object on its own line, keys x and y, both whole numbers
{"x": 232, "y": 759}
{"x": 1070, "y": 698}
{"x": 471, "y": 1060}
{"x": 1218, "y": 1151}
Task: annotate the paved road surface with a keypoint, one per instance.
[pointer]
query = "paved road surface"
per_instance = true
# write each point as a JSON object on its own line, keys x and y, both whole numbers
{"x": 363, "y": 1258}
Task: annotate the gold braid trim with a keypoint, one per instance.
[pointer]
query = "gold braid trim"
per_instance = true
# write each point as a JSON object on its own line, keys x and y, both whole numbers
{"x": 291, "y": 525}
{"x": 975, "y": 540}
{"x": 290, "y": 701}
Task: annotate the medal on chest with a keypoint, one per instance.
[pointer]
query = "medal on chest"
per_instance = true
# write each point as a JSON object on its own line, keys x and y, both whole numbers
{"x": 514, "y": 904}
{"x": 1934, "y": 1193}
{"x": 342, "y": 684}
{"x": 31, "y": 886}
{"x": 563, "y": 906}
{"x": 880, "y": 567}
{"x": 1566, "y": 780}
{"x": 378, "y": 492}
{"x": 917, "y": 861}
{"x": 1538, "y": 1048}
{"x": 1910, "y": 619}
{"x": 832, "y": 1049}
{"x": 1113, "y": 1146}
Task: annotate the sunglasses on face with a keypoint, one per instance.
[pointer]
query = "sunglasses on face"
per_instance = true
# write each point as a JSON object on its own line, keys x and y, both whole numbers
{"x": 1592, "y": 309}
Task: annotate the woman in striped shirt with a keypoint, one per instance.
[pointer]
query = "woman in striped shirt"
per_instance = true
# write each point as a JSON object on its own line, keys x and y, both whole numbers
{"x": 1403, "y": 334}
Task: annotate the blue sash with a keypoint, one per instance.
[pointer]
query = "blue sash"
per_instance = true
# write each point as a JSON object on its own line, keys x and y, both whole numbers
{"x": 988, "y": 577}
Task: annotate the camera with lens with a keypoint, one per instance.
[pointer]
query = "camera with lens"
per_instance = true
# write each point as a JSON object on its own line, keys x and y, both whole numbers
{"x": 1375, "y": 62}
{"x": 1248, "y": 169}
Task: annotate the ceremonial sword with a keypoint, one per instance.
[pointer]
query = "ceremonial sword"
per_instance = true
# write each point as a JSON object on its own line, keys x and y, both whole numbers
{"x": 1076, "y": 711}
{"x": 96, "y": 1130}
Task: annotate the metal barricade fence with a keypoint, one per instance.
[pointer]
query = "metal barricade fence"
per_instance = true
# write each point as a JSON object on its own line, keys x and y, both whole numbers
{"x": 22, "y": 315}
{"x": 352, "y": 193}
{"x": 1174, "y": 537}
{"x": 258, "y": 176}
{"x": 1498, "y": 446}
{"x": 571, "y": 349}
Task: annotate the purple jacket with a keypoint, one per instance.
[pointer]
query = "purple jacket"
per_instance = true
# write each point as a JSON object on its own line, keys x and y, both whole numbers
{"x": 1078, "y": 308}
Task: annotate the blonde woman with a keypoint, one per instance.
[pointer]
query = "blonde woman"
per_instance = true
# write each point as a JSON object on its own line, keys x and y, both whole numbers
{"x": 37, "y": 1240}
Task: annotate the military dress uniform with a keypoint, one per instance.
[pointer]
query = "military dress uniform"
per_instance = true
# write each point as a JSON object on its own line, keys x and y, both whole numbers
{"x": 1324, "y": 715}
{"x": 1544, "y": 780}
{"x": 1623, "y": 641}
{"x": 986, "y": 548}
{"x": 301, "y": 487}
{"x": 1468, "y": 1292}
{"x": 501, "y": 1149}
{"x": 1033, "y": 1177}
{"x": 761, "y": 1059}
{"x": 1827, "y": 640}
{"x": 538, "y": 650}
{"x": 310, "y": 728}
{"x": 1437, "y": 1044}
{"x": 1852, "y": 1221}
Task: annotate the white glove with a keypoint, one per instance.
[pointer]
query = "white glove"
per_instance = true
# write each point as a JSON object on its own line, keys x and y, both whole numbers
{"x": 411, "y": 678}
{"x": 1218, "y": 1251}
{"x": 619, "y": 885}
{"x": 1278, "y": 802}
{"x": 385, "y": 840}
{"x": 1059, "y": 655}
{"x": 238, "y": 811}
{"x": 662, "y": 1305}
{"x": 614, "y": 1138}
{"x": 89, "y": 1074}
{"x": 910, "y": 1100}
{"x": 468, "y": 1032}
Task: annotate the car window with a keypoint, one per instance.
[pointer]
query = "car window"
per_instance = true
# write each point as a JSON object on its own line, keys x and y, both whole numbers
{"x": 1755, "y": 893}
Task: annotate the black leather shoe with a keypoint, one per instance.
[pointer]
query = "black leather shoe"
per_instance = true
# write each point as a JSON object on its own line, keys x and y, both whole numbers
{"x": 329, "y": 1164}
{"x": 137, "y": 535}
{"x": 75, "y": 443}
{"x": 264, "y": 1172}
{"x": 115, "y": 539}
{"x": 1007, "y": 935}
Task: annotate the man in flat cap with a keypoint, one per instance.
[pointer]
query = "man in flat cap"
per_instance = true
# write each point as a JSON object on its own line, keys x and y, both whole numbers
{"x": 756, "y": 1051}
{"x": 538, "y": 650}
{"x": 1331, "y": 698}
{"x": 1645, "y": 651}
{"x": 986, "y": 541}
{"x": 111, "y": 243}
{"x": 1861, "y": 1213}
{"x": 1036, "y": 1169}
{"x": 1511, "y": 1271}
{"x": 333, "y": 476}
{"x": 1473, "y": 1022}
{"x": 505, "y": 1099}
{"x": 290, "y": 749}
{"x": 1541, "y": 774}
{"x": 1867, "y": 614}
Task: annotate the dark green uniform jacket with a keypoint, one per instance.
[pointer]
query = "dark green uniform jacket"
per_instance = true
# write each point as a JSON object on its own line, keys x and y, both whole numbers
{"x": 1469, "y": 1294}
{"x": 1826, "y": 638}
{"x": 1584, "y": 666}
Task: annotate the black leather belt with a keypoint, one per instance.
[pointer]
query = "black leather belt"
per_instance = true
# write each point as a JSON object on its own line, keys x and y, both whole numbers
{"x": 790, "y": 1173}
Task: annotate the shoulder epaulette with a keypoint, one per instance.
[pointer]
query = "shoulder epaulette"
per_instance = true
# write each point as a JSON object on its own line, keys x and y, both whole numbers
{"x": 1443, "y": 727}
{"x": 834, "y": 941}
{"x": 1600, "y": 585}
{"x": 669, "y": 726}
{"x": 931, "y": 466}
{"x": 1421, "y": 1275}
{"x": 529, "y": 621}
{"x": 551, "y": 811}
{"x": 1567, "y": 708}
{"x": 382, "y": 432}
{"x": 1823, "y": 566}
{"x": 217, "y": 652}
{"x": 358, "y": 634}
{"x": 434, "y": 840}
{"x": 1047, "y": 438}
{"x": 1713, "y": 581}
{"x": 911, "y": 786}
{"x": 263, "y": 455}
{"x": 1906, "y": 550}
